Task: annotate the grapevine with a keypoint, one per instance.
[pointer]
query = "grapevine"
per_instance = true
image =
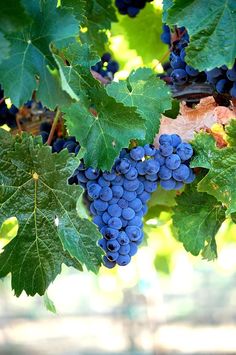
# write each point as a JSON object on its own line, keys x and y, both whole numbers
{"x": 88, "y": 118}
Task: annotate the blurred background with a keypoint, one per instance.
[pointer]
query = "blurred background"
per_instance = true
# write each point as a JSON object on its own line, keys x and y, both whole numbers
{"x": 165, "y": 302}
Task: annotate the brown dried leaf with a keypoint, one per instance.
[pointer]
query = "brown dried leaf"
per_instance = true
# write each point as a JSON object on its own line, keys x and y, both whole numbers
{"x": 191, "y": 120}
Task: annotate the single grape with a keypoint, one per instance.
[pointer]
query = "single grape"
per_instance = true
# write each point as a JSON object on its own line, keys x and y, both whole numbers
{"x": 128, "y": 213}
{"x": 100, "y": 205}
{"x": 114, "y": 222}
{"x": 182, "y": 173}
{"x": 117, "y": 191}
{"x": 173, "y": 161}
{"x": 150, "y": 186}
{"x": 123, "y": 239}
{"x": 109, "y": 264}
{"x": 136, "y": 204}
{"x": 166, "y": 149}
{"x": 123, "y": 260}
{"x": 112, "y": 256}
{"x": 132, "y": 174}
{"x": 149, "y": 150}
{"x": 94, "y": 190}
{"x": 137, "y": 153}
{"x": 114, "y": 210}
{"x": 179, "y": 76}
{"x": 165, "y": 173}
{"x": 106, "y": 194}
{"x": 185, "y": 151}
{"x": 175, "y": 140}
{"x": 113, "y": 245}
{"x": 133, "y": 232}
{"x": 124, "y": 249}
{"x": 91, "y": 174}
{"x": 168, "y": 184}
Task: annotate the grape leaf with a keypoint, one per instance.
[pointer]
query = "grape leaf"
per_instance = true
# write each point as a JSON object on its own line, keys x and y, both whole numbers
{"x": 149, "y": 94}
{"x": 220, "y": 181}
{"x": 49, "y": 304}
{"x": 197, "y": 218}
{"x": 98, "y": 17}
{"x": 144, "y": 33}
{"x": 76, "y": 77}
{"x": 12, "y": 16}
{"x": 110, "y": 125}
{"x": 105, "y": 132}
{"x": 231, "y": 133}
{"x": 79, "y": 8}
{"x": 30, "y": 57}
{"x": 34, "y": 190}
{"x": 210, "y": 29}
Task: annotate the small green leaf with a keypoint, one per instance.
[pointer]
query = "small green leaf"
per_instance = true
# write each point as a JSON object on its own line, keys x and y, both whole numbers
{"x": 209, "y": 252}
{"x": 32, "y": 65}
{"x": 149, "y": 94}
{"x": 48, "y": 303}
{"x": 197, "y": 218}
{"x": 203, "y": 145}
{"x": 33, "y": 187}
{"x": 220, "y": 181}
{"x": 210, "y": 29}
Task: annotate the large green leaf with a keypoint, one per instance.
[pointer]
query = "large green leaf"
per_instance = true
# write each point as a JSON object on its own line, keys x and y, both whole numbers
{"x": 211, "y": 26}
{"x": 144, "y": 33}
{"x": 220, "y": 181}
{"x": 34, "y": 189}
{"x": 148, "y": 93}
{"x": 197, "y": 218}
{"x": 31, "y": 66}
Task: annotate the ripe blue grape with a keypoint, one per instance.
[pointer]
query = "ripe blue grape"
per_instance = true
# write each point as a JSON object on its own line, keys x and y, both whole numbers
{"x": 168, "y": 184}
{"x": 137, "y": 153}
{"x": 113, "y": 245}
{"x": 128, "y": 213}
{"x": 114, "y": 210}
{"x": 173, "y": 161}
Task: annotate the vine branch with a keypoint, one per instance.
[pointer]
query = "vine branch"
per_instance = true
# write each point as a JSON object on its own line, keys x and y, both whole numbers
{"x": 54, "y": 125}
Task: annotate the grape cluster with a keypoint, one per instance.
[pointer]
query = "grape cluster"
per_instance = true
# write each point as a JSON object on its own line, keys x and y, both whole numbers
{"x": 174, "y": 156}
{"x": 106, "y": 67}
{"x": 181, "y": 73}
{"x": 118, "y": 199}
{"x": 223, "y": 79}
{"x": 130, "y": 7}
